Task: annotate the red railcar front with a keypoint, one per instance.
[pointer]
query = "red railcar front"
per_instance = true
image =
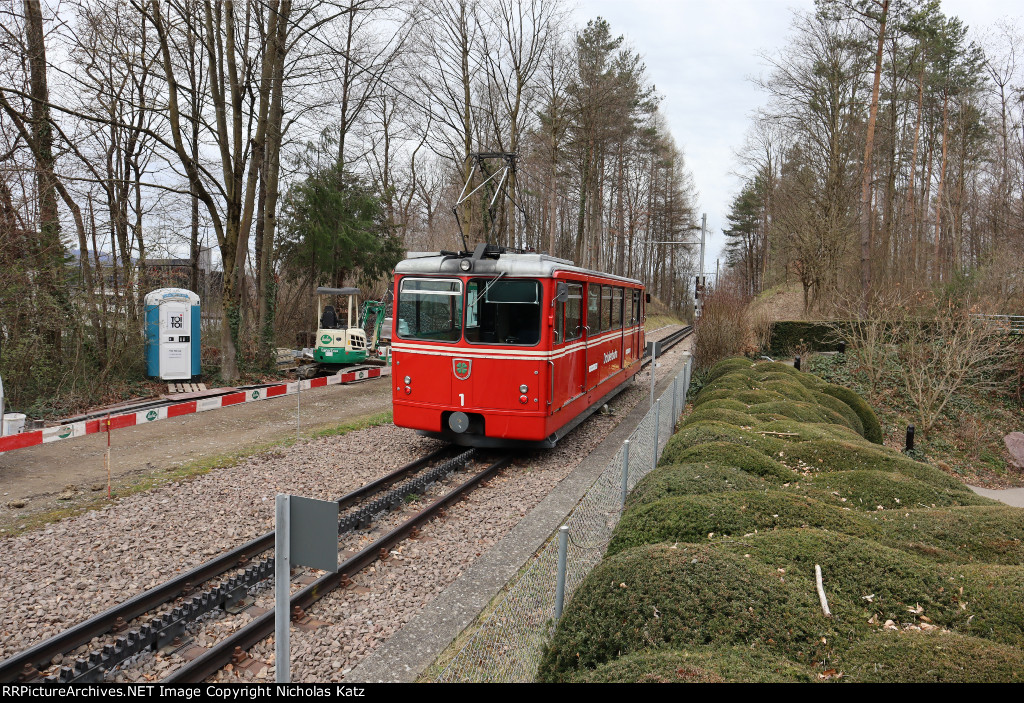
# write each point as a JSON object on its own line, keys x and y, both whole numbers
{"x": 493, "y": 349}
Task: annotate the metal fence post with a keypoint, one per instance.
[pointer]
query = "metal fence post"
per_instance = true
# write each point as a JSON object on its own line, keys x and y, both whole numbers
{"x": 298, "y": 408}
{"x": 675, "y": 390}
{"x": 654, "y": 366}
{"x": 657, "y": 427}
{"x": 563, "y": 545}
{"x": 625, "y": 471}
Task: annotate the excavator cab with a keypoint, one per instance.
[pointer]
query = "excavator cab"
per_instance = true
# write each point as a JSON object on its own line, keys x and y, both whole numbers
{"x": 339, "y": 340}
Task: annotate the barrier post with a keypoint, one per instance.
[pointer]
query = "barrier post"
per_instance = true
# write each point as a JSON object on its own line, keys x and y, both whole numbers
{"x": 563, "y": 545}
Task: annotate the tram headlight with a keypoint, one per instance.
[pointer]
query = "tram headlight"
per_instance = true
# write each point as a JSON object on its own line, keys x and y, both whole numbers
{"x": 408, "y": 380}
{"x": 465, "y": 264}
{"x": 523, "y": 388}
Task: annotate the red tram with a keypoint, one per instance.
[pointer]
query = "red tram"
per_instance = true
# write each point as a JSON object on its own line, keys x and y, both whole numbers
{"x": 497, "y": 348}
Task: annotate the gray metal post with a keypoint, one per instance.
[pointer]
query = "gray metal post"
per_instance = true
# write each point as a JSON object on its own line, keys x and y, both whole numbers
{"x": 675, "y": 402}
{"x": 654, "y": 366}
{"x": 657, "y": 427}
{"x": 298, "y": 408}
{"x": 563, "y": 545}
{"x": 282, "y": 589}
{"x": 625, "y": 470}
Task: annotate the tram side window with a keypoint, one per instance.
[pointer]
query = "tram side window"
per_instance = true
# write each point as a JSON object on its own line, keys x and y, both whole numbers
{"x": 606, "y": 308}
{"x": 430, "y": 309}
{"x": 616, "y": 308}
{"x": 636, "y": 307}
{"x": 574, "y": 313}
{"x": 503, "y": 311}
{"x": 593, "y": 309}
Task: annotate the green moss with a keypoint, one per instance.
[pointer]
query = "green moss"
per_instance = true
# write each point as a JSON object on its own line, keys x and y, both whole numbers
{"x": 930, "y": 657}
{"x": 666, "y": 597}
{"x": 872, "y": 430}
{"x": 702, "y": 517}
{"x": 697, "y": 665}
{"x": 692, "y": 479}
{"x": 852, "y": 419}
{"x": 831, "y": 455}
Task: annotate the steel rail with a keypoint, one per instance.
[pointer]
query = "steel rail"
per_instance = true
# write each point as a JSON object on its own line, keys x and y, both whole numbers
{"x": 218, "y": 656}
{"x": 40, "y": 655}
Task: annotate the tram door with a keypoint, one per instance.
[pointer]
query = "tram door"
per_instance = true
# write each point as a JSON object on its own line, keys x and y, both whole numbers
{"x": 593, "y": 329}
{"x": 633, "y": 339}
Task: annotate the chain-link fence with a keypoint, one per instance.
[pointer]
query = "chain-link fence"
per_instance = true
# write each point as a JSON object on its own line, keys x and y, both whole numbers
{"x": 507, "y": 646}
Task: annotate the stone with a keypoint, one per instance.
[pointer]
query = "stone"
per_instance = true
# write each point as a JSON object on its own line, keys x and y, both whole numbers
{"x": 1015, "y": 446}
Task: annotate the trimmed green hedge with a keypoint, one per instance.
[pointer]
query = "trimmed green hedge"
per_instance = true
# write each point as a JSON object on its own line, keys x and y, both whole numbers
{"x": 785, "y": 335}
{"x": 709, "y": 575}
{"x": 872, "y": 429}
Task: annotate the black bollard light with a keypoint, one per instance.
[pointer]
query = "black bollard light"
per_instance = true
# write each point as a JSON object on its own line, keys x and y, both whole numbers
{"x": 910, "y": 438}
{"x": 796, "y": 363}
{"x": 842, "y": 347}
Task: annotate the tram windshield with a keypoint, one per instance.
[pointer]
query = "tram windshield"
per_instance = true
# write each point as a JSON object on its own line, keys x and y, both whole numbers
{"x": 430, "y": 309}
{"x": 503, "y": 311}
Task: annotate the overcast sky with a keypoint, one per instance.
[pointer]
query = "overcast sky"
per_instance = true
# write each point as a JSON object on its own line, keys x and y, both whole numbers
{"x": 700, "y": 55}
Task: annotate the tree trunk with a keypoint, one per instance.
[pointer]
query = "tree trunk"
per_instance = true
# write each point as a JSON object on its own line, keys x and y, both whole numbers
{"x": 866, "y": 212}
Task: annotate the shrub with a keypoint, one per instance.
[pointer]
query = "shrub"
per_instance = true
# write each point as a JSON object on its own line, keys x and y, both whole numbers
{"x": 692, "y": 479}
{"x": 665, "y": 597}
{"x": 852, "y": 419}
{"x": 831, "y": 455}
{"x": 973, "y": 533}
{"x": 805, "y": 431}
{"x": 697, "y": 518}
{"x": 870, "y": 490}
{"x": 697, "y": 665}
{"x": 727, "y": 366}
{"x": 723, "y": 415}
{"x": 735, "y": 454}
{"x": 872, "y": 430}
{"x": 930, "y": 657}
{"x": 794, "y": 410}
{"x": 786, "y": 335}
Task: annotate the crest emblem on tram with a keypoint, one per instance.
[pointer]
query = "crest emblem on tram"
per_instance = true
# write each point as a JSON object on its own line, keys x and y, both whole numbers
{"x": 462, "y": 368}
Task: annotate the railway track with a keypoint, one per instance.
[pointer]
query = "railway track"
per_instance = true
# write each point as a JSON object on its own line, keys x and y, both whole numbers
{"x": 183, "y": 600}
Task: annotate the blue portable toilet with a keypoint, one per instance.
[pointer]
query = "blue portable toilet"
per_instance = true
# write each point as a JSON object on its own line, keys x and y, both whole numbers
{"x": 172, "y": 334}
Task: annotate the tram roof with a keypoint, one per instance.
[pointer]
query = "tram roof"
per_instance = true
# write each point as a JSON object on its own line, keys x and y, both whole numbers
{"x": 532, "y": 265}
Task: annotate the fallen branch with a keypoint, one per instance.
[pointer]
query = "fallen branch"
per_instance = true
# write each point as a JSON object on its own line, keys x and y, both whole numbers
{"x": 821, "y": 591}
{"x": 778, "y": 434}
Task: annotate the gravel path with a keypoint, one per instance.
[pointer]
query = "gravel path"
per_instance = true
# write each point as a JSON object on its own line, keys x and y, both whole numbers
{"x": 66, "y": 572}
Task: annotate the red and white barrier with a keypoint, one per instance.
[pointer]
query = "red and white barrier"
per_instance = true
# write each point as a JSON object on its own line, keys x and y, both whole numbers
{"x": 80, "y": 429}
